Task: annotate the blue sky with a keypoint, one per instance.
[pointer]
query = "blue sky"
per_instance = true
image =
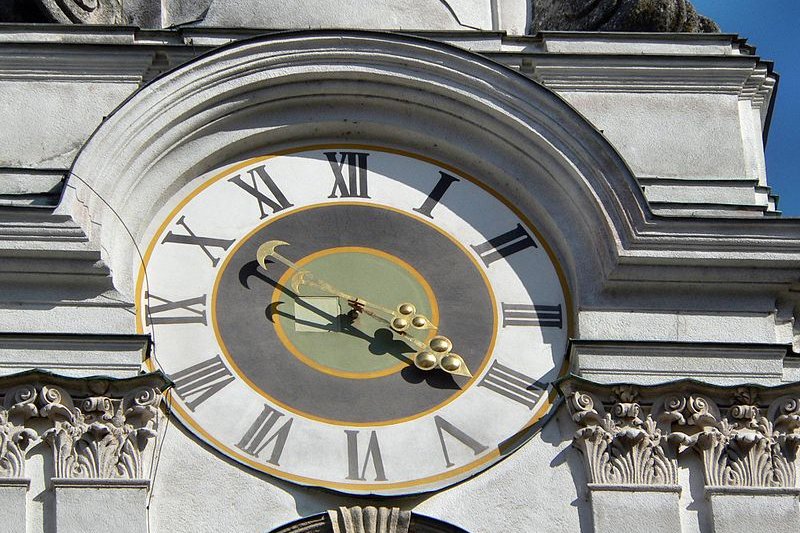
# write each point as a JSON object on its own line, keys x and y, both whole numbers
{"x": 773, "y": 27}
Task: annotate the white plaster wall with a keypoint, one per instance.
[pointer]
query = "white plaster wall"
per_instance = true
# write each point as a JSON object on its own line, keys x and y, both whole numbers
{"x": 669, "y": 134}
{"x": 536, "y": 489}
{"x": 43, "y": 124}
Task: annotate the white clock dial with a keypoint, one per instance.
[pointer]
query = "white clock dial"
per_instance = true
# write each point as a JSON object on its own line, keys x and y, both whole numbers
{"x": 289, "y": 361}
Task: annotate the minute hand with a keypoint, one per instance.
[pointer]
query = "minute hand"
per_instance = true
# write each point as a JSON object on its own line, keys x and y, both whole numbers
{"x": 306, "y": 278}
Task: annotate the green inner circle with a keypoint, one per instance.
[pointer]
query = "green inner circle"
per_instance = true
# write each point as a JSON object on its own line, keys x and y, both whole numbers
{"x": 316, "y": 323}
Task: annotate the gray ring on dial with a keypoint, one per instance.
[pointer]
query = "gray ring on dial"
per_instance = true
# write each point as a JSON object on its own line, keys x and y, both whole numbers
{"x": 465, "y": 306}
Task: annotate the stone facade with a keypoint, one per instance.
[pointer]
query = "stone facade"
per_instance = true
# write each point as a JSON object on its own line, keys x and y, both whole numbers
{"x": 638, "y": 156}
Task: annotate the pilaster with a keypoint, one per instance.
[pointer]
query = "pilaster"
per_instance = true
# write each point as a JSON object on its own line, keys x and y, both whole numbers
{"x": 98, "y": 431}
{"x": 632, "y": 439}
{"x": 627, "y": 463}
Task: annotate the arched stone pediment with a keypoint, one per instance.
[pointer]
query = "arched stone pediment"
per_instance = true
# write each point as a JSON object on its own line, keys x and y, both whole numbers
{"x": 279, "y": 91}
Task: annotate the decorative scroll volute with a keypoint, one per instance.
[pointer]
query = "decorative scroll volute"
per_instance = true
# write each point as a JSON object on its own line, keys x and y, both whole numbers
{"x": 102, "y": 438}
{"x": 15, "y": 438}
{"x": 751, "y": 441}
{"x": 620, "y": 447}
{"x": 83, "y": 11}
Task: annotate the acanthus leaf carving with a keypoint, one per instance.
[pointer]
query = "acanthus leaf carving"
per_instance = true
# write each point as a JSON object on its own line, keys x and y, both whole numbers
{"x": 369, "y": 520}
{"x": 621, "y": 447}
{"x": 15, "y": 438}
{"x": 742, "y": 449}
{"x": 103, "y": 438}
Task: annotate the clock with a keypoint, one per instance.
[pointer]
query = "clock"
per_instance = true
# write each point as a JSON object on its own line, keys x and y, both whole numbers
{"x": 353, "y": 317}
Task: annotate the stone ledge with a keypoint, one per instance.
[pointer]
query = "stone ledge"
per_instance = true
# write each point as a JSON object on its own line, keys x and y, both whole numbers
{"x": 610, "y": 487}
{"x": 753, "y": 491}
{"x": 100, "y": 483}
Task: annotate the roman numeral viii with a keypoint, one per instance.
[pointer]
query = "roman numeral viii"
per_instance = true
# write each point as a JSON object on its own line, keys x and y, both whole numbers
{"x": 546, "y": 316}
{"x": 373, "y": 455}
{"x": 355, "y": 184}
{"x": 279, "y": 203}
{"x": 204, "y": 243}
{"x": 258, "y": 435}
{"x": 504, "y": 245}
{"x": 200, "y": 382}
{"x": 512, "y": 384}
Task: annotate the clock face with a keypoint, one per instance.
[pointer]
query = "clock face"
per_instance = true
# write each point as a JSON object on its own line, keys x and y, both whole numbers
{"x": 353, "y": 317}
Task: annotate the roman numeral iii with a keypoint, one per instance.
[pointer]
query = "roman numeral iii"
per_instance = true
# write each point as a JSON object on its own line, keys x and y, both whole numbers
{"x": 355, "y": 183}
{"x": 504, "y": 245}
{"x": 546, "y": 316}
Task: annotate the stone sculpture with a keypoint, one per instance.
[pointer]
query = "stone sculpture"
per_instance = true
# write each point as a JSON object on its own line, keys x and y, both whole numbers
{"x": 552, "y": 15}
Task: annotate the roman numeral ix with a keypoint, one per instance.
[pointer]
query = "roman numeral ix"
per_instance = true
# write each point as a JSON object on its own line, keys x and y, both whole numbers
{"x": 194, "y": 310}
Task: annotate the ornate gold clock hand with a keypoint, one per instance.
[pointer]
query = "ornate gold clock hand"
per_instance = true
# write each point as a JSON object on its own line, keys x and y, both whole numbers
{"x": 403, "y": 317}
{"x": 434, "y": 354}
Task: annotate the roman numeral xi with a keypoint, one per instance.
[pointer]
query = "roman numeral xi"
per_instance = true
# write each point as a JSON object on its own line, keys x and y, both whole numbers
{"x": 275, "y": 200}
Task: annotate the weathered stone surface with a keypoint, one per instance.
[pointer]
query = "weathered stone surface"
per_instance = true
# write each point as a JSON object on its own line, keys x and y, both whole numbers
{"x": 593, "y": 15}
{"x": 620, "y": 15}
{"x": 84, "y": 11}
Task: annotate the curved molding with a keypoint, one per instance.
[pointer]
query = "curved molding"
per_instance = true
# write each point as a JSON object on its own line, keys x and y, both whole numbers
{"x": 284, "y": 90}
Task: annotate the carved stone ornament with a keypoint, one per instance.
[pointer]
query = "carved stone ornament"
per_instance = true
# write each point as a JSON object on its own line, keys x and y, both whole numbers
{"x": 15, "y": 438}
{"x": 744, "y": 448}
{"x": 369, "y": 520}
{"x": 620, "y": 15}
{"x": 620, "y": 447}
{"x": 100, "y": 426}
{"x": 746, "y": 436}
{"x": 83, "y": 11}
